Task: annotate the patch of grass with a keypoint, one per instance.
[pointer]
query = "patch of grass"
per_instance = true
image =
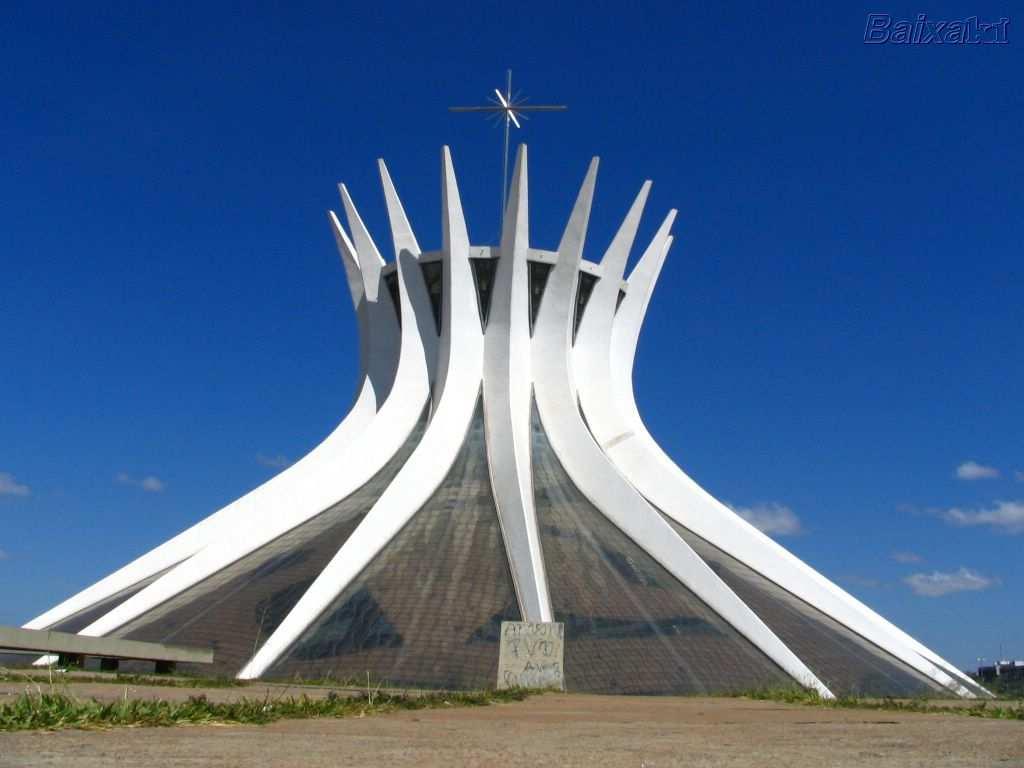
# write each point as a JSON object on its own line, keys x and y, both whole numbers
{"x": 117, "y": 678}
{"x": 787, "y": 694}
{"x": 988, "y": 709}
{"x": 51, "y": 711}
{"x": 181, "y": 680}
{"x": 1006, "y": 689}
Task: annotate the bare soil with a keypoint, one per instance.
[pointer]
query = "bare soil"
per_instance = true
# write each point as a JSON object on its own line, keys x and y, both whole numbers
{"x": 548, "y": 730}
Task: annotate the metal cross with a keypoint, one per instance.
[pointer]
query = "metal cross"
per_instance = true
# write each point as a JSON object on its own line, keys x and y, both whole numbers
{"x": 512, "y": 108}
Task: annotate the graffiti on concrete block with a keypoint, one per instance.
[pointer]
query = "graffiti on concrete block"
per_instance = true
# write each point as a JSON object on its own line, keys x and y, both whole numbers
{"x": 531, "y": 655}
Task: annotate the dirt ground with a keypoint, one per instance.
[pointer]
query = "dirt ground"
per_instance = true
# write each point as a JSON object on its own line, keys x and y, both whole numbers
{"x": 548, "y": 730}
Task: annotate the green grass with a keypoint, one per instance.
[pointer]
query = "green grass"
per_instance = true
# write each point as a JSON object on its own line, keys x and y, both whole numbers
{"x": 116, "y": 678}
{"x": 1013, "y": 689}
{"x": 997, "y": 709}
{"x": 51, "y": 711}
{"x": 181, "y": 680}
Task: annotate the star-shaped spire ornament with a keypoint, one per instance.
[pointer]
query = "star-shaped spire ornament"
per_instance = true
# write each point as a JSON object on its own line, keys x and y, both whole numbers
{"x": 512, "y": 108}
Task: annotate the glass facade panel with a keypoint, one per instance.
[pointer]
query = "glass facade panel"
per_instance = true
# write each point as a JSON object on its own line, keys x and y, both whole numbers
{"x": 391, "y": 281}
{"x": 433, "y": 276}
{"x": 847, "y": 663}
{"x": 238, "y": 608}
{"x": 14, "y": 660}
{"x": 79, "y": 621}
{"x": 483, "y": 276}
{"x": 630, "y": 626}
{"x": 427, "y": 611}
{"x": 971, "y": 685}
{"x": 618, "y": 300}
{"x": 538, "y": 278}
{"x": 584, "y": 288}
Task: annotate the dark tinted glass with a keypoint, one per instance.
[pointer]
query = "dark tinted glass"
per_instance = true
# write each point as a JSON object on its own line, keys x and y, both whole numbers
{"x": 844, "y": 661}
{"x": 538, "y": 278}
{"x": 433, "y": 276}
{"x": 236, "y": 610}
{"x": 584, "y": 288}
{"x": 618, "y": 301}
{"x": 427, "y": 611}
{"x": 483, "y": 276}
{"x": 630, "y": 626}
{"x": 16, "y": 660}
{"x": 391, "y": 281}
{"x": 971, "y": 685}
{"x": 79, "y": 621}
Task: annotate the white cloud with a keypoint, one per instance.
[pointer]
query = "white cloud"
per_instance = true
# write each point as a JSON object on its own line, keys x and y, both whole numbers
{"x": 1019, "y": 474}
{"x": 279, "y": 461}
{"x": 907, "y": 557}
{"x": 937, "y": 583}
{"x": 149, "y": 483}
{"x": 11, "y": 487}
{"x": 972, "y": 470}
{"x": 772, "y": 518}
{"x": 3, "y": 555}
{"x": 1007, "y": 516}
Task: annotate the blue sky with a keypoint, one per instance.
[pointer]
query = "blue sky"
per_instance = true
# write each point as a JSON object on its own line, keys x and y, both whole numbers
{"x": 836, "y": 331}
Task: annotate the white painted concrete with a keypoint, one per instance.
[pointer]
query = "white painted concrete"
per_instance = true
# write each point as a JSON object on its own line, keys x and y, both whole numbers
{"x": 507, "y": 404}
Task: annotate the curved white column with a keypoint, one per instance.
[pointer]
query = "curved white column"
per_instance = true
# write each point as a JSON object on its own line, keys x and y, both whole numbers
{"x": 384, "y": 345}
{"x": 625, "y": 335}
{"x": 605, "y": 352}
{"x": 378, "y": 356}
{"x": 313, "y": 486}
{"x": 507, "y": 395}
{"x": 591, "y": 470}
{"x": 462, "y": 346}
{"x": 407, "y": 253}
{"x": 586, "y": 364}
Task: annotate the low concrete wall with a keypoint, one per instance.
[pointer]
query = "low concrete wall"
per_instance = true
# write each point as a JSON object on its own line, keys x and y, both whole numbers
{"x": 45, "y": 641}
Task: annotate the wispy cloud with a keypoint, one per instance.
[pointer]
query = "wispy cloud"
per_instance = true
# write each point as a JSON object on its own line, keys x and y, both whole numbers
{"x": 1007, "y": 516}
{"x": 906, "y": 557}
{"x": 279, "y": 461}
{"x": 772, "y": 518}
{"x": 149, "y": 483}
{"x": 1019, "y": 474}
{"x": 937, "y": 583}
{"x": 11, "y": 487}
{"x": 3, "y": 555}
{"x": 972, "y": 470}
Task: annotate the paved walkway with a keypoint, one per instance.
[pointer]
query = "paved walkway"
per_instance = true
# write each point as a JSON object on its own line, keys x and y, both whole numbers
{"x": 552, "y": 730}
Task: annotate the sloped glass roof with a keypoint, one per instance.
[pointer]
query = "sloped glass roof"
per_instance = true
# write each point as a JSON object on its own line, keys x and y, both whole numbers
{"x": 83, "y": 618}
{"x": 843, "y": 660}
{"x": 630, "y": 626}
{"x": 235, "y": 610}
{"x": 427, "y": 610}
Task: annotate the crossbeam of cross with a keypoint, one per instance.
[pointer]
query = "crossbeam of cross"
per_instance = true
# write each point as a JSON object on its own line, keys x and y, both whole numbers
{"x": 512, "y": 108}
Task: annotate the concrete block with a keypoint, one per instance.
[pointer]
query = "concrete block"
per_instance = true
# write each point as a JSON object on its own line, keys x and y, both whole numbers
{"x": 531, "y": 655}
